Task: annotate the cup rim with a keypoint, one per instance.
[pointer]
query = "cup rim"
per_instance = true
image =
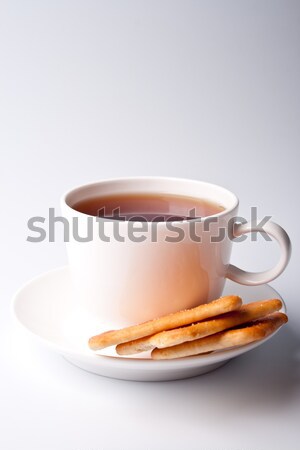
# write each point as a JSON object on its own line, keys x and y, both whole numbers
{"x": 234, "y": 198}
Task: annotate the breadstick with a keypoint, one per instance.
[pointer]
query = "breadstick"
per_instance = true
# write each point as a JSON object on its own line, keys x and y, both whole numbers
{"x": 178, "y": 319}
{"x": 246, "y": 313}
{"x": 225, "y": 339}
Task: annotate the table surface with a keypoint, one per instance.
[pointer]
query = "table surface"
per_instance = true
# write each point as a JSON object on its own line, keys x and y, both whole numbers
{"x": 203, "y": 90}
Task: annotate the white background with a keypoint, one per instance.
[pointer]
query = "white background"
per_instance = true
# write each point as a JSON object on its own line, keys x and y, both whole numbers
{"x": 197, "y": 89}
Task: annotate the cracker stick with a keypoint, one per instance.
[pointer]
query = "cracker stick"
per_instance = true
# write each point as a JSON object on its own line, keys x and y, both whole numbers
{"x": 246, "y": 313}
{"x": 225, "y": 339}
{"x": 178, "y": 319}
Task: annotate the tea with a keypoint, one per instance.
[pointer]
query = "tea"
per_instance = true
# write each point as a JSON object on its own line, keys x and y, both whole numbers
{"x": 148, "y": 207}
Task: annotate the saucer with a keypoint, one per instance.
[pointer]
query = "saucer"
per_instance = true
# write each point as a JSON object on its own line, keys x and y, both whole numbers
{"x": 45, "y": 309}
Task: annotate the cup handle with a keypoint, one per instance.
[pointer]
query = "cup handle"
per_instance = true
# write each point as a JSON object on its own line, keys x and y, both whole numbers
{"x": 256, "y": 278}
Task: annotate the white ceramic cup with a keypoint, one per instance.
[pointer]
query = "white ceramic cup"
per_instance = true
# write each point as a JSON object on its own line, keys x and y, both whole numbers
{"x": 129, "y": 282}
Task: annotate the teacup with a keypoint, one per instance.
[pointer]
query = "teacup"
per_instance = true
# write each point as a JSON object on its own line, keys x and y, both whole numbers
{"x": 133, "y": 280}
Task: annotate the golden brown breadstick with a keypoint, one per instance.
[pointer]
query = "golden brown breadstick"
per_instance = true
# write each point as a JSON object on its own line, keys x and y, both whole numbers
{"x": 246, "y": 313}
{"x": 178, "y": 319}
{"x": 225, "y": 339}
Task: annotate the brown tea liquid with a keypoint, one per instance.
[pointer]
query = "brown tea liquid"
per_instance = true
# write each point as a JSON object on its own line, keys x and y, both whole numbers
{"x": 147, "y": 207}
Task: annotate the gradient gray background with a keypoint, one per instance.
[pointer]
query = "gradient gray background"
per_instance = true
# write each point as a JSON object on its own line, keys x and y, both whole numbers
{"x": 197, "y": 89}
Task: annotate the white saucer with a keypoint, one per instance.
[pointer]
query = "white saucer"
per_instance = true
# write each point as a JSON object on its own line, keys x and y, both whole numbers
{"x": 44, "y": 307}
